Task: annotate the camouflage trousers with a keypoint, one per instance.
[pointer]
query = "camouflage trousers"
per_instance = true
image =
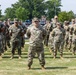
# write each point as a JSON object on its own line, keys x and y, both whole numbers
{"x": 66, "y": 42}
{"x": 31, "y": 54}
{"x": 74, "y": 46}
{"x": 1, "y": 48}
{"x": 70, "y": 41}
{"x": 46, "y": 40}
{"x": 58, "y": 46}
{"x": 50, "y": 43}
{"x": 6, "y": 43}
{"x": 16, "y": 45}
{"x": 22, "y": 41}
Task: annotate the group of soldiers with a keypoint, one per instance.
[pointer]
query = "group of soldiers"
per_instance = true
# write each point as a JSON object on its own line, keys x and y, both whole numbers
{"x": 12, "y": 36}
{"x": 60, "y": 36}
{"x": 54, "y": 34}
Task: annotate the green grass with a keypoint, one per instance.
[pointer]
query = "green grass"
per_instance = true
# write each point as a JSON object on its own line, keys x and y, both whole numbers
{"x": 57, "y": 66}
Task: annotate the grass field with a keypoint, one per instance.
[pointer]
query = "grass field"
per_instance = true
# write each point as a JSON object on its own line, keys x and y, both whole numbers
{"x": 57, "y": 66}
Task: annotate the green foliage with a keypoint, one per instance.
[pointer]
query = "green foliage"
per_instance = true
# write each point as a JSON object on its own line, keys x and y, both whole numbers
{"x": 65, "y": 16}
{"x": 10, "y": 13}
{"x": 21, "y": 13}
{"x": 27, "y": 9}
{"x": 53, "y": 8}
{"x": 66, "y": 66}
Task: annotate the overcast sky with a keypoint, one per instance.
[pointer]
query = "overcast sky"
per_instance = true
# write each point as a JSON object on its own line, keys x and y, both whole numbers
{"x": 67, "y": 5}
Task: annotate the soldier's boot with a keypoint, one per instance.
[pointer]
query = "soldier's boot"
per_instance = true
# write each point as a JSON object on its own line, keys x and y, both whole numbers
{"x": 19, "y": 57}
{"x": 51, "y": 50}
{"x": 54, "y": 57}
{"x": 0, "y": 56}
{"x": 61, "y": 57}
{"x": 42, "y": 67}
{"x": 73, "y": 52}
{"x": 29, "y": 67}
{"x": 12, "y": 56}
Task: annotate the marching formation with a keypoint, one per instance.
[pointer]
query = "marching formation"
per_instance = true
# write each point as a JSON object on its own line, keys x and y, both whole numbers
{"x": 55, "y": 35}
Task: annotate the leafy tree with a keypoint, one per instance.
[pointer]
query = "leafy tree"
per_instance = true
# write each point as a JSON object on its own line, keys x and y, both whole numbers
{"x": 27, "y": 9}
{"x": 21, "y": 13}
{"x": 10, "y": 13}
{"x": 65, "y": 16}
{"x": 53, "y": 8}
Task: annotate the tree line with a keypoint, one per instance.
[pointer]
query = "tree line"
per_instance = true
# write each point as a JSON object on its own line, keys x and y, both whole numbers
{"x": 27, "y": 9}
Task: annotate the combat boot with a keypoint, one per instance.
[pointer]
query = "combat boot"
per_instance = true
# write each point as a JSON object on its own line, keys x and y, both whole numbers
{"x": 42, "y": 67}
{"x": 12, "y": 57}
{"x": 19, "y": 57}
{"x": 61, "y": 57}
{"x": 0, "y": 57}
{"x": 29, "y": 67}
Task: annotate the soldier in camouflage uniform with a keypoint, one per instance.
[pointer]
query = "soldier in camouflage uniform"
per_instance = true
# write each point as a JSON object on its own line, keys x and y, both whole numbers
{"x": 58, "y": 34}
{"x": 51, "y": 39}
{"x": 36, "y": 36}
{"x": 71, "y": 28}
{"x": 74, "y": 40}
{"x": 55, "y": 20}
{"x": 66, "y": 27}
{"x": 24, "y": 29}
{"x": 48, "y": 28}
{"x": 16, "y": 32}
{"x": 1, "y": 40}
{"x": 6, "y": 35}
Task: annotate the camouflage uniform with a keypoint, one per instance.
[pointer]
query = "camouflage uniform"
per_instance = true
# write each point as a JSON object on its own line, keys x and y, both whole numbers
{"x": 36, "y": 37}
{"x": 1, "y": 40}
{"x": 48, "y": 28}
{"x": 58, "y": 35}
{"x": 70, "y": 36}
{"x": 16, "y": 33}
{"x": 74, "y": 40}
{"x": 6, "y": 37}
{"x": 66, "y": 36}
{"x": 22, "y": 37}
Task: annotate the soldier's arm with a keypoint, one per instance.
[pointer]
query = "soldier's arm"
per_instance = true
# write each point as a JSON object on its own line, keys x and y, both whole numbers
{"x": 44, "y": 33}
{"x": 25, "y": 29}
{"x": 28, "y": 33}
{"x": 10, "y": 30}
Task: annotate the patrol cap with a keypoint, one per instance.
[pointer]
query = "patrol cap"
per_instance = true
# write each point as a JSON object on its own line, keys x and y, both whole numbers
{"x": 15, "y": 20}
{"x": 55, "y": 17}
{"x": 35, "y": 19}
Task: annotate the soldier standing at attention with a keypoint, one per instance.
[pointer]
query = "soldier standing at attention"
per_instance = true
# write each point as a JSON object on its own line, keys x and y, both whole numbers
{"x": 1, "y": 40}
{"x": 58, "y": 34}
{"x": 55, "y": 20}
{"x": 74, "y": 40}
{"x": 66, "y": 27}
{"x": 24, "y": 30}
{"x": 16, "y": 32}
{"x": 36, "y": 36}
{"x": 48, "y": 28}
{"x": 71, "y": 28}
{"x": 6, "y": 35}
{"x": 51, "y": 39}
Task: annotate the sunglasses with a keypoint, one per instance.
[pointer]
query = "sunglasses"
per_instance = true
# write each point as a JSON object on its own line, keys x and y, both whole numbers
{"x": 36, "y": 21}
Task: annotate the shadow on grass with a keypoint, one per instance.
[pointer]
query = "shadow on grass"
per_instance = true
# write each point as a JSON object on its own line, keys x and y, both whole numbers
{"x": 50, "y": 68}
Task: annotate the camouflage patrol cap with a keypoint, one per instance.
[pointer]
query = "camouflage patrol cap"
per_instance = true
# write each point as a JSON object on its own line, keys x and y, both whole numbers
{"x": 15, "y": 20}
{"x": 35, "y": 19}
{"x": 55, "y": 17}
